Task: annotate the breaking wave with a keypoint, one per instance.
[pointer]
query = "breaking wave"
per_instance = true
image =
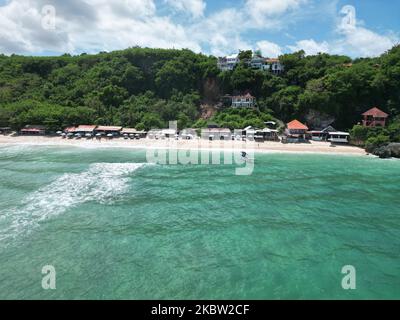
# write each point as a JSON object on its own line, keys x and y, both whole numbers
{"x": 102, "y": 183}
{"x": 11, "y": 151}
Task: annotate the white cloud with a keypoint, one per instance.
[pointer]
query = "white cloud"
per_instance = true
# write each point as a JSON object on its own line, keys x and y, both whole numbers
{"x": 352, "y": 38}
{"x": 97, "y": 25}
{"x": 221, "y": 46}
{"x": 272, "y": 7}
{"x": 357, "y": 40}
{"x": 223, "y": 31}
{"x": 311, "y": 47}
{"x": 127, "y": 8}
{"x": 88, "y": 26}
{"x": 362, "y": 42}
{"x": 269, "y": 49}
{"x": 194, "y": 7}
{"x": 261, "y": 11}
{"x": 20, "y": 23}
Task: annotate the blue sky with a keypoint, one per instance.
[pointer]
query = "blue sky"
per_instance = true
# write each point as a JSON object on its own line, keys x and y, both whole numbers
{"x": 358, "y": 28}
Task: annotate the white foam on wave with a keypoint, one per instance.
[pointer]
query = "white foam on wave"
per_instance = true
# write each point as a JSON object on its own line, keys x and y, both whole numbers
{"x": 7, "y": 151}
{"x": 102, "y": 183}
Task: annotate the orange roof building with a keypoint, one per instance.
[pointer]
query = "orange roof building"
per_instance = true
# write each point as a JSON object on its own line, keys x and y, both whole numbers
{"x": 297, "y": 125}
{"x": 70, "y": 130}
{"x": 33, "y": 130}
{"x": 296, "y": 131}
{"x": 85, "y": 128}
{"x": 109, "y": 129}
{"x": 374, "y": 117}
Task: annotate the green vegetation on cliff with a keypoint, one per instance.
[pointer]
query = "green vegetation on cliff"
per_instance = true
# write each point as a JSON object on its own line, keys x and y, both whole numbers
{"x": 372, "y": 138}
{"x": 145, "y": 88}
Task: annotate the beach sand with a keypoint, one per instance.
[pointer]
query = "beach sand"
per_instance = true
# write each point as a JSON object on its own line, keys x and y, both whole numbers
{"x": 263, "y": 147}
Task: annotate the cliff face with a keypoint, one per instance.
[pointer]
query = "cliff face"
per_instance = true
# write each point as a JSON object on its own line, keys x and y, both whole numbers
{"x": 211, "y": 91}
{"x": 316, "y": 119}
{"x": 392, "y": 150}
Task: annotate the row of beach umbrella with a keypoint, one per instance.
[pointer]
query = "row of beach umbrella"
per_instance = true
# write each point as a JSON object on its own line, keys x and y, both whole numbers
{"x": 79, "y": 136}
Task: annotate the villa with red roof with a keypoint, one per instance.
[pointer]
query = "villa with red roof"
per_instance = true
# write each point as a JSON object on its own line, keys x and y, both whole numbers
{"x": 106, "y": 130}
{"x": 85, "y": 128}
{"x": 34, "y": 130}
{"x": 296, "y": 131}
{"x": 374, "y": 118}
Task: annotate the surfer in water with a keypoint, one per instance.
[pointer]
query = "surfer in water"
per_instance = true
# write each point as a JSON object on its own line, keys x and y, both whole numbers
{"x": 245, "y": 157}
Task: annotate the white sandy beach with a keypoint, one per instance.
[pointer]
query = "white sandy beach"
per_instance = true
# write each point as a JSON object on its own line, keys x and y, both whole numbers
{"x": 265, "y": 147}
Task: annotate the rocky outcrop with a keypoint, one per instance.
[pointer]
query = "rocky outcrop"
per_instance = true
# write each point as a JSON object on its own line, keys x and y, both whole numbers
{"x": 392, "y": 150}
{"x": 316, "y": 119}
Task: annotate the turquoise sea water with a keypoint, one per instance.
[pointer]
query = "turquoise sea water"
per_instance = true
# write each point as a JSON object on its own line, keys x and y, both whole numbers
{"x": 115, "y": 227}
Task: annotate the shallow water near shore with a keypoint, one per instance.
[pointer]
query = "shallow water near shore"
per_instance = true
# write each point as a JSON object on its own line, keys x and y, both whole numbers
{"x": 117, "y": 227}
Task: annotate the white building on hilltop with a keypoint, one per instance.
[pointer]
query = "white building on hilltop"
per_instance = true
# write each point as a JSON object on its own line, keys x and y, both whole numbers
{"x": 275, "y": 66}
{"x": 258, "y": 62}
{"x": 228, "y": 63}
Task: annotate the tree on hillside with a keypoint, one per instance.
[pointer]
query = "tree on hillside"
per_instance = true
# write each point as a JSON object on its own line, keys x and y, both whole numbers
{"x": 131, "y": 86}
{"x": 245, "y": 55}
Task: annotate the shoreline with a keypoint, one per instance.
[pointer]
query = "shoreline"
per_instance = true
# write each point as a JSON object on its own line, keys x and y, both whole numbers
{"x": 313, "y": 147}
